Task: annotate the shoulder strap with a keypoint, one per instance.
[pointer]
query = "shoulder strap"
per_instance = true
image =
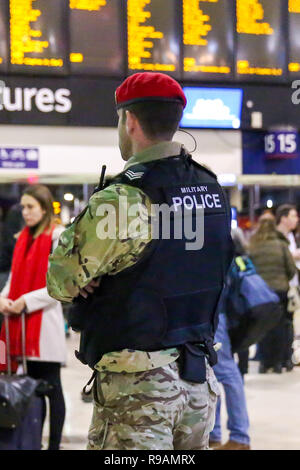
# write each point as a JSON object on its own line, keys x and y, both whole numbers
{"x": 240, "y": 263}
{"x": 85, "y": 390}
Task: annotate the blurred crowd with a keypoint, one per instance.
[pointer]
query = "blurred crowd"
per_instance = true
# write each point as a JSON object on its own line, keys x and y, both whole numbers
{"x": 273, "y": 249}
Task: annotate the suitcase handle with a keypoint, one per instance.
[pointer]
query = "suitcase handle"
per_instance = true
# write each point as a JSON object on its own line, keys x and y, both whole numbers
{"x": 23, "y": 335}
{"x": 8, "y": 359}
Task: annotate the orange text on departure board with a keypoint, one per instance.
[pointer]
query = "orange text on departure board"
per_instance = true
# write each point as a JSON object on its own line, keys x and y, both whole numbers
{"x": 244, "y": 68}
{"x": 89, "y": 5}
{"x": 196, "y": 27}
{"x": 250, "y": 20}
{"x": 294, "y": 6}
{"x": 24, "y": 39}
{"x": 294, "y": 67}
{"x": 141, "y": 38}
{"x": 196, "y": 24}
{"x": 250, "y": 15}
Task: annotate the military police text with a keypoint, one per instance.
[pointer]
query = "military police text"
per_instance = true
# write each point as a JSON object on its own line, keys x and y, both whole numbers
{"x": 196, "y": 200}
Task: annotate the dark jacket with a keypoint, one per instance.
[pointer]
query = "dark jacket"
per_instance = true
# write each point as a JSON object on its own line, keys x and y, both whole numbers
{"x": 274, "y": 262}
{"x": 12, "y": 225}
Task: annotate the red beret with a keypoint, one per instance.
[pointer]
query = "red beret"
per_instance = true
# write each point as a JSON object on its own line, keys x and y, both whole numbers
{"x": 149, "y": 86}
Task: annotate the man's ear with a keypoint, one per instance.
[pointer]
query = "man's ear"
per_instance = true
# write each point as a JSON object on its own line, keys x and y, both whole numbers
{"x": 130, "y": 122}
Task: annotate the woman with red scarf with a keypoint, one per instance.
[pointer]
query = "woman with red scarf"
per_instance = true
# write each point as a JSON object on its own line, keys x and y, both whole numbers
{"x": 26, "y": 291}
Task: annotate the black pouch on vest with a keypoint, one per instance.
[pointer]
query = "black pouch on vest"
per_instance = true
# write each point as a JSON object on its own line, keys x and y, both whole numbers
{"x": 192, "y": 365}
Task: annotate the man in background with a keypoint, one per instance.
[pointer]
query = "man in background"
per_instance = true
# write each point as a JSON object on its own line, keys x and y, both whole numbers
{"x": 287, "y": 220}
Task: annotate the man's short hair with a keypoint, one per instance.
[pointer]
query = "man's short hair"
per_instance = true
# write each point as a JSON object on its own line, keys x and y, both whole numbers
{"x": 158, "y": 119}
{"x": 283, "y": 211}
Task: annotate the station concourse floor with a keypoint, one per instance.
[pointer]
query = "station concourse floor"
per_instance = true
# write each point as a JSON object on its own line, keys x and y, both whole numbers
{"x": 273, "y": 405}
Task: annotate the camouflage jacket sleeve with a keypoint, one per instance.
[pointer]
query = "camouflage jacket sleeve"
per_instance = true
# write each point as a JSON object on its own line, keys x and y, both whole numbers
{"x": 107, "y": 238}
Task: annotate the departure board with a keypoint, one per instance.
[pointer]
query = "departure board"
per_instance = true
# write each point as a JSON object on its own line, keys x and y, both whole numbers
{"x": 208, "y": 39}
{"x": 153, "y": 39}
{"x": 261, "y": 51}
{"x": 38, "y": 36}
{"x": 96, "y": 37}
{"x": 294, "y": 35}
{"x": 4, "y": 27}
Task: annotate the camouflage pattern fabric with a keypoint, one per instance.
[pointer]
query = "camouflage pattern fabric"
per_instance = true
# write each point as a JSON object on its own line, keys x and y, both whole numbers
{"x": 81, "y": 256}
{"x": 136, "y": 361}
{"x": 152, "y": 410}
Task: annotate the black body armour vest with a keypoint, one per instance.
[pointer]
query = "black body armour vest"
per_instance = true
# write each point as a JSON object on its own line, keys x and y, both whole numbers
{"x": 170, "y": 297}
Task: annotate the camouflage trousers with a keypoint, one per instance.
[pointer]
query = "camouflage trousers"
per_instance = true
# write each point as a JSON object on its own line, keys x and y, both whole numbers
{"x": 152, "y": 410}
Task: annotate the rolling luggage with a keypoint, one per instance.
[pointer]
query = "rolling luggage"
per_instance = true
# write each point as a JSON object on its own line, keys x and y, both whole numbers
{"x": 21, "y": 409}
{"x": 28, "y": 435}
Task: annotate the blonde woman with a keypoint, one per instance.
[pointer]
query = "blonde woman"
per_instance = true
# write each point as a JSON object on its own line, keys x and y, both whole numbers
{"x": 26, "y": 291}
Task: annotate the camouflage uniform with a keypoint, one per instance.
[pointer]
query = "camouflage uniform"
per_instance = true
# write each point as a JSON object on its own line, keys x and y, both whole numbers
{"x": 81, "y": 257}
{"x": 152, "y": 410}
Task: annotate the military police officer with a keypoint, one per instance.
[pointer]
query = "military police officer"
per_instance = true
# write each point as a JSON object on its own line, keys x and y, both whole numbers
{"x": 147, "y": 325}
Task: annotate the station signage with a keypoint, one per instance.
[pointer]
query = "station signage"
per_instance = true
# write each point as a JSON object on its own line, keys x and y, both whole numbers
{"x": 12, "y": 158}
{"x": 274, "y": 153}
{"x": 58, "y": 101}
{"x": 281, "y": 144}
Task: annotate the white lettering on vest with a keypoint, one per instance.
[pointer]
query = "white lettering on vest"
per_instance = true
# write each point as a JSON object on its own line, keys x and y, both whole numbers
{"x": 202, "y": 201}
{"x": 210, "y": 205}
{"x": 185, "y": 202}
{"x": 177, "y": 201}
{"x": 217, "y": 201}
{"x": 198, "y": 206}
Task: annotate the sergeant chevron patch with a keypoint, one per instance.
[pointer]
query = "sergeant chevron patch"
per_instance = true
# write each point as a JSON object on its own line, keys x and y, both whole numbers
{"x": 134, "y": 175}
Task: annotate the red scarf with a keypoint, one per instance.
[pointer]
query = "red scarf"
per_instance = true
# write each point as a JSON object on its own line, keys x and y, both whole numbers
{"x": 28, "y": 273}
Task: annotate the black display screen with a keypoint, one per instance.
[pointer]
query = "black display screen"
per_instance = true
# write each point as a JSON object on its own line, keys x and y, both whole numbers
{"x": 261, "y": 48}
{"x": 208, "y": 39}
{"x": 213, "y": 40}
{"x": 4, "y": 31}
{"x": 38, "y": 36}
{"x": 294, "y": 35}
{"x": 153, "y": 39}
{"x": 96, "y": 37}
